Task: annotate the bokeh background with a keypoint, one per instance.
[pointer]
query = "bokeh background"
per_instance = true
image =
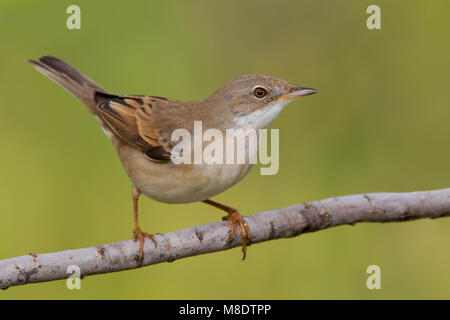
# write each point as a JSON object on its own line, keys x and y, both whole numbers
{"x": 379, "y": 124}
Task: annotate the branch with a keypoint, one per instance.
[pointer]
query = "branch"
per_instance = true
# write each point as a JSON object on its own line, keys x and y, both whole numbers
{"x": 281, "y": 223}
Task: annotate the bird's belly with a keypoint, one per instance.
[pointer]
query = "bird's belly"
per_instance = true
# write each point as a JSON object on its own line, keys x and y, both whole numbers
{"x": 170, "y": 183}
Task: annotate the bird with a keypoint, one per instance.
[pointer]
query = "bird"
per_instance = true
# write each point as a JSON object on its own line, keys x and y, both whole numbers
{"x": 140, "y": 128}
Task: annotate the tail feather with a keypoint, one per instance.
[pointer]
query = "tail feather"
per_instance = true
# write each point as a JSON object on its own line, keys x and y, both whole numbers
{"x": 70, "y": 79}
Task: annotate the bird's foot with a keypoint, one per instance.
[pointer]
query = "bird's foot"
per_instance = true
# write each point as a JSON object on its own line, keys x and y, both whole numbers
{"x": 237, "y": 220}
{"x": 140, "y": 235}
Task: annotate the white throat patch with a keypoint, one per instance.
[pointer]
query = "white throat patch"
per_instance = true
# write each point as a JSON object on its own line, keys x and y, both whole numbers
{"x": 261, "y": 118}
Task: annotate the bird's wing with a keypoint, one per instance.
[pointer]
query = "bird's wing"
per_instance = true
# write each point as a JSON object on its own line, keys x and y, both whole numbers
{"x": 131, "y": 119}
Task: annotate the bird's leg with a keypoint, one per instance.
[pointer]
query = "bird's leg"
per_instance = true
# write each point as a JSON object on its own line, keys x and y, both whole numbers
{"x": 236, "y": 220}
{"x": 138, "y": 234}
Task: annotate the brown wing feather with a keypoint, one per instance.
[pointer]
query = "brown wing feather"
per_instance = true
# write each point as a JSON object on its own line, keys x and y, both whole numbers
{"x": 130, "y": 118}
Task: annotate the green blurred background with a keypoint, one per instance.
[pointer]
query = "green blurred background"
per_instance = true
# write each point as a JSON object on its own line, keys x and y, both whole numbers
{"x": 379, "y": 124}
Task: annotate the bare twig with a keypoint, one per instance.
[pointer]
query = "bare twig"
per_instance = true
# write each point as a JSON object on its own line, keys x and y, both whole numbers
{"x": 281, "y": 223}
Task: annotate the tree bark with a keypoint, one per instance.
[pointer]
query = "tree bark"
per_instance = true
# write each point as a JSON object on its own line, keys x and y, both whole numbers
{"x": 280, "y": 223}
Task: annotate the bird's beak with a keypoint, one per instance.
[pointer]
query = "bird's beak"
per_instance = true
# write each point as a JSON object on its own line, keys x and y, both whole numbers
{"x": 296, "y": 92}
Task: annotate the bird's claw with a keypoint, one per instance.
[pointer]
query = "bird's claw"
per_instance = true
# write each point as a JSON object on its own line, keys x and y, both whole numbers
{"x": 237, "y": 220}
{"x": 140, "y": 235}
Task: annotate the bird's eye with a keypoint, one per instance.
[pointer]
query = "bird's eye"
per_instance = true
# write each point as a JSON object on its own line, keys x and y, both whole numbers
{"x": 260, "y": 92}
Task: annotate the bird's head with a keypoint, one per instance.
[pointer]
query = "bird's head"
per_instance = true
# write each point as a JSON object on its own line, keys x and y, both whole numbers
{"x": 256, "y": 100}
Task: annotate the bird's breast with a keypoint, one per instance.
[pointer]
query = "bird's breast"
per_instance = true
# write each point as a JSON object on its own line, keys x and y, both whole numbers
{"x": 182, "y": 183}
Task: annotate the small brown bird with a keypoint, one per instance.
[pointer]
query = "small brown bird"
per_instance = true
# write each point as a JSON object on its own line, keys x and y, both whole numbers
{"x": 140, "y": 129}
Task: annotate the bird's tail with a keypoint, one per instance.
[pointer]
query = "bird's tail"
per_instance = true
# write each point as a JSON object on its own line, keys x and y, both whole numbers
{"x": 70, "y": 79}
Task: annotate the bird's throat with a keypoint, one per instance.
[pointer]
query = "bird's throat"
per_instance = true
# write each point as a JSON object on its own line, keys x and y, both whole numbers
{"x": 260, "y": 118}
